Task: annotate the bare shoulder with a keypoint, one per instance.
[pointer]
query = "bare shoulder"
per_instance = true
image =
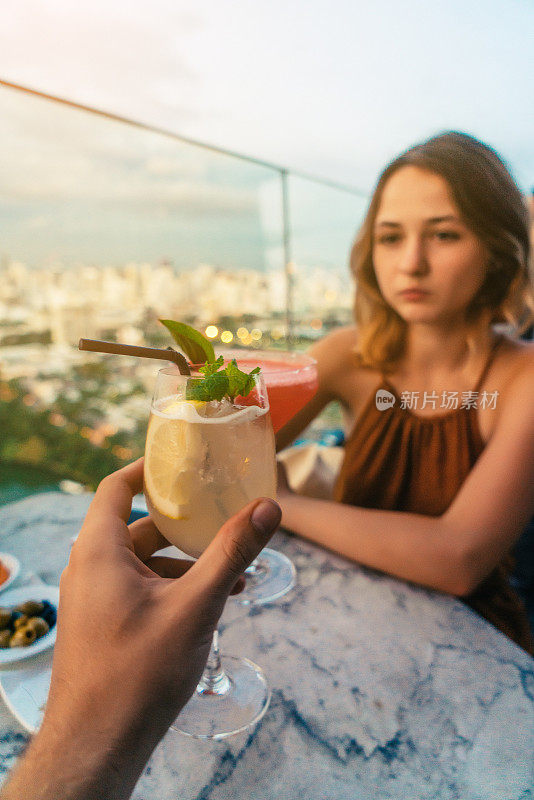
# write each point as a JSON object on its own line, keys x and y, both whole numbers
{"x": 340, "y": 375}
{"x": 335, "y": 353}
{"x": 515, "y": 372}
{"x": 516, "y": 359}
{"x": 344, "y": 338}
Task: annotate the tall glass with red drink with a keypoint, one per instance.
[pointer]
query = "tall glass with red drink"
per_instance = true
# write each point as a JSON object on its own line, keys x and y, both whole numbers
{"x": 291, "y": 379}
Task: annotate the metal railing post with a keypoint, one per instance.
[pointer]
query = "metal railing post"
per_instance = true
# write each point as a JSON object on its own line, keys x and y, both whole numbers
{"x": 288, "y": 264}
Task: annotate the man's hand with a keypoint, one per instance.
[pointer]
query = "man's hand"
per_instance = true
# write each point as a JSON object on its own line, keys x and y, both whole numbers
{"x": 134, "y": 633}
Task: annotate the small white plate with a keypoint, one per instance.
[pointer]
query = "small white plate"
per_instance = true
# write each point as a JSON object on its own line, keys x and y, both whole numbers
{"x": 25, "y": 692}
{"x": 13, "y": 565}
{"x": 14, "y": 597}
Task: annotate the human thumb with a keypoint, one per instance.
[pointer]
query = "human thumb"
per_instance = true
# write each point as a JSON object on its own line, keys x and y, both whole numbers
{"x": 236, "y": 545}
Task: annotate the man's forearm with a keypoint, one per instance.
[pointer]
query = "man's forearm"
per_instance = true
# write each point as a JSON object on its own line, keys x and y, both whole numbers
{"x": 82, "y": 763}
{"x": 413, "y": 547}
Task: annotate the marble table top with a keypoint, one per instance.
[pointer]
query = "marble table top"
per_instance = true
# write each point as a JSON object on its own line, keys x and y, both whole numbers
{"x": 380, "y": 689}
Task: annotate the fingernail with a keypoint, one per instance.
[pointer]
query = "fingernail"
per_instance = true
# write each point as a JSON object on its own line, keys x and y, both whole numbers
{"x": 266, "y": 516}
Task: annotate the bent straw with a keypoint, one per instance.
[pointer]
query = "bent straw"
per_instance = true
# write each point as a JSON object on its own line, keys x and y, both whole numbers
{"x": 116, "y": 348}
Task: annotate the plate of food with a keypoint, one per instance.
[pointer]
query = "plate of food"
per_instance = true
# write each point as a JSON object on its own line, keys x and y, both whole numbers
{"x": 9, "y": 569}
{"x": 25, "y": 692}
{"x": 27, "y": 621}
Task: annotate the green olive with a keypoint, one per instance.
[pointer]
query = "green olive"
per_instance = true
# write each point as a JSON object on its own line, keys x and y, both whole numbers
{"x": 31, "y": 608}
{"x": 20, "y": 622}
{"x": 5, "y": 617}
{"x": 39, "y": 625}
{"x": 5, "y": 637}
{"x": 23, "y": 637}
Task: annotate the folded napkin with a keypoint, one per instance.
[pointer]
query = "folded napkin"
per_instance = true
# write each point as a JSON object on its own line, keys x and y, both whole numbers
{"x": 312, "y": 469}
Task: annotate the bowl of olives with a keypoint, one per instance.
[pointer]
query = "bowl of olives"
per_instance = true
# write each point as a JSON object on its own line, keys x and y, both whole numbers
{"x": 28, "y": 618}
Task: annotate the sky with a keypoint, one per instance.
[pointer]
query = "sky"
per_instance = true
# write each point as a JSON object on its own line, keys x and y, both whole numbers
{"x": 334, "y": 89}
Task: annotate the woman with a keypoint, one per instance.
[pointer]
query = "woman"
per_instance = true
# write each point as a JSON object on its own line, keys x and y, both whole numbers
{"x": 429, "y": 491}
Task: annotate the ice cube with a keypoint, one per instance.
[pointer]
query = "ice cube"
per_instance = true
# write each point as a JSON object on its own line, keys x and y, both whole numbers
{"x": 218, "y": 408}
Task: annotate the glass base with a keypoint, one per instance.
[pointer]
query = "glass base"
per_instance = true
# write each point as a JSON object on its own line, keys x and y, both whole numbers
{"x": 236, "y": 704}
{"x": 271, "y": 576}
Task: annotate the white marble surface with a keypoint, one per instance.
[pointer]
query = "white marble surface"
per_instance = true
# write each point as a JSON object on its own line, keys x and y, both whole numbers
{"x": 380, "y": 689}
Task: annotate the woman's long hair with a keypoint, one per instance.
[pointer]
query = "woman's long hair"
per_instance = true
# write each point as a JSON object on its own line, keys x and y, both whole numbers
{"x": 491, "y": 205}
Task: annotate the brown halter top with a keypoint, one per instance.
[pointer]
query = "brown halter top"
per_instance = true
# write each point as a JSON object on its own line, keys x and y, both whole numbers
{"x": 398, "y": 461}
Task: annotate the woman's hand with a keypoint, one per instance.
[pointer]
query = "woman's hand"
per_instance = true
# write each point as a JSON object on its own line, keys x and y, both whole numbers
{"x": 131, "y": 644}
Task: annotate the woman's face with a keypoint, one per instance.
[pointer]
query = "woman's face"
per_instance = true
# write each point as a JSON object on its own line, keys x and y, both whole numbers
{"x": 428, "y": 264}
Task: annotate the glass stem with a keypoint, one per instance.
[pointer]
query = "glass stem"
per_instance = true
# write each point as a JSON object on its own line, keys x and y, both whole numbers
{"x": 252, "y": 569}
{"x": 214, "y": 679}
{"x": 256, "y": 569}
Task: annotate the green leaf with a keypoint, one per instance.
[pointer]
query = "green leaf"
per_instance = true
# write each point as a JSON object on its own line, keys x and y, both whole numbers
{"x": 250, "y": 383}
{"x": 197, "y": 348}
{"x": 239, "y": 382}
{"x": 210, "y": 369}
{"x": 214, "y": 387}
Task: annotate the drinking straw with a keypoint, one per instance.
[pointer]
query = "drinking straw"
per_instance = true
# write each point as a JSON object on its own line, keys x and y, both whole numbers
{"x": 116, "y": 348}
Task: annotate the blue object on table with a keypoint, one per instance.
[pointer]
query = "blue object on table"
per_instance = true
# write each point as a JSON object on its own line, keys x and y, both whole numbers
{"x": 137, "y": 514}
{"x": 328, "y": 437}
{"x": 332, "y": 437}
{"x": 139, "y": 508}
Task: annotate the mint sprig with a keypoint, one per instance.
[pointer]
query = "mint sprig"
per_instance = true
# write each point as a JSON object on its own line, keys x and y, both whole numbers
{"x": 221, "y": 381}
{"x": 239, "y": 383}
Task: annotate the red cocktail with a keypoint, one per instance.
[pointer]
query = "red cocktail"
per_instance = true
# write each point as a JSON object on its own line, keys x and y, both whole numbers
{"x": 290, "y": 378}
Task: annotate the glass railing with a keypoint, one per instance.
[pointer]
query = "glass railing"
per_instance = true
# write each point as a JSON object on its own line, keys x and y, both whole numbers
{"x": 108, "y": 225}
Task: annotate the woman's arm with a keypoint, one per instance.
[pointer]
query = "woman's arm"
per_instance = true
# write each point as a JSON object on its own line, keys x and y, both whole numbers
{"x": 409, "y": 546}
{"x": 455, "y": 552}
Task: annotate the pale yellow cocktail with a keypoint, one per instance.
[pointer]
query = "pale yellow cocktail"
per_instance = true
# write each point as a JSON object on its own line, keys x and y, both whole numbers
{"x": 203, "y": 462}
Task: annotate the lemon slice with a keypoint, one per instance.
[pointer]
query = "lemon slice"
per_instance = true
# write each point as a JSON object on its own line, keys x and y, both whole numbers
{"x": 176, "y": 407}
{"x": 173, "y": 456}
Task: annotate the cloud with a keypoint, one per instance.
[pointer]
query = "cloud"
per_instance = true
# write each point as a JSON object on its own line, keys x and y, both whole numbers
{"x": 117, "y": 55}
{"x": 332, "y": 90}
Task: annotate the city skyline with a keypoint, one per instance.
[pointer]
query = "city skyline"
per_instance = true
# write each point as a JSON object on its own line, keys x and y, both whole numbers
{"x": 89, "y": 301}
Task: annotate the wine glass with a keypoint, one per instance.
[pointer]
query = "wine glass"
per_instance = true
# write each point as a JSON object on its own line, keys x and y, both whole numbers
{"x": 204, "y": 462}
{"x": 291, "y": 381}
